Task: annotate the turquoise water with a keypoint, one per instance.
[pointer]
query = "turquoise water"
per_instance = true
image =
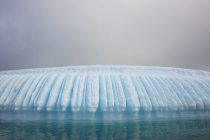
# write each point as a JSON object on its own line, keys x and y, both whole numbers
{"x": 183, "y": 127}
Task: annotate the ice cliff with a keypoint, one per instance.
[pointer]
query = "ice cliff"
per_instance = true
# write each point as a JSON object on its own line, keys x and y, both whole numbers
{"x": 104, "y": 89}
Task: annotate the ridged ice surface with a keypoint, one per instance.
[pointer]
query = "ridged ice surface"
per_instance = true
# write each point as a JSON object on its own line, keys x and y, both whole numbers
{"x": 104, "y": 89}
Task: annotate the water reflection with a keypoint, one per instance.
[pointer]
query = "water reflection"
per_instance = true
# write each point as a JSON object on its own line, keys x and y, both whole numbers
{"x": 90, "y": 130}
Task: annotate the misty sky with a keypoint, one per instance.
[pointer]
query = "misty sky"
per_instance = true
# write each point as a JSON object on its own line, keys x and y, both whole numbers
{"x": 52, "y": 33}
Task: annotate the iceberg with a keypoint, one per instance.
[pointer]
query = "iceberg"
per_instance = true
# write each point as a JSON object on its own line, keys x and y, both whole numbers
{"x": 104, "y": 89}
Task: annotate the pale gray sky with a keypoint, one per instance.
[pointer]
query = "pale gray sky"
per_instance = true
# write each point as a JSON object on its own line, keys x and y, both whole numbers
{"x": 52, "y": 33}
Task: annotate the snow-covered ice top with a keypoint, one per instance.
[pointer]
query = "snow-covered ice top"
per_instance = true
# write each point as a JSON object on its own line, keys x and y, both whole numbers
{"x": 104, "y": 89}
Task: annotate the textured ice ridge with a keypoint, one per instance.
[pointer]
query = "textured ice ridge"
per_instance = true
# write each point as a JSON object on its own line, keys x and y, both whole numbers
{"x": 104, "y": 89}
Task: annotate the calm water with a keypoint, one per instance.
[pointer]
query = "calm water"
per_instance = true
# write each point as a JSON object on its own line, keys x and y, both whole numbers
{"x": 174, "y": 128}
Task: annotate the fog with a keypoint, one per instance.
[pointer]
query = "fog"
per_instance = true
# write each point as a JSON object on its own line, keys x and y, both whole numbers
{"x": 54, "y": 33}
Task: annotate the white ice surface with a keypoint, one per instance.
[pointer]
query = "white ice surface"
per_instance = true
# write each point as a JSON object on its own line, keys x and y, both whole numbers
{"x": 104, "y": 89}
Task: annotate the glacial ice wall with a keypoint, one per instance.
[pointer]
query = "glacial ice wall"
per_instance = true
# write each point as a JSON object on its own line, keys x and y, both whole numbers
{"x": 104, "y": 89}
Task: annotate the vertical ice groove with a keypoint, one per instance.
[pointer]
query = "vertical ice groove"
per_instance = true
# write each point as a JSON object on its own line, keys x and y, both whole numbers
{"x": 29, "y": 93}
{"x": 145, "y": 94}
{"x": 5, "y": 84}
{"x": 36, "y": 93}
{"x": 77, "y": 95}
{"x": 160, "y": 89}
{"x": 154, "y": 88}
{"x": 190, "y": 94}
{"x": 188, "y": 99}
{"x": 102, "y": 93}
{"x": 131, "y": 96}
{"x": 116, "y": 102}
{"x": 205, "y": 81}
{"x": 81, "y": 93}
{"x": 20, "y": 97}
{"x": 83, "y": 104}
{"x": 54, "y": 93}
{"x": 202, "y": 95}
{"x": 177, "y": 93}
{"x": 154, "y": 102}
{"x": 33, "y": 96}
{"x": 144, "y": 100}
{"x": 15, "y": 91}
{"x": 67, "y": 92}
{"x": 74, "y": 92}
{"x": 110, "y": 94}
{"x": 119, "y": 94}
{"x": 45, "y": 92}
{"x": 7, "y": 90}
{"x": 57, "y": 105}
{"x": 204, "y": 86}
{"x": 205, "y": 91}
{"x": 92, "y": 99}
{"x": 190, "y": 88}
{"x": 172, "y": 94}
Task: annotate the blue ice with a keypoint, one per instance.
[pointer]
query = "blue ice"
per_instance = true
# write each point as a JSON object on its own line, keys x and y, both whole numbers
{"x": 105, "y": 89}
